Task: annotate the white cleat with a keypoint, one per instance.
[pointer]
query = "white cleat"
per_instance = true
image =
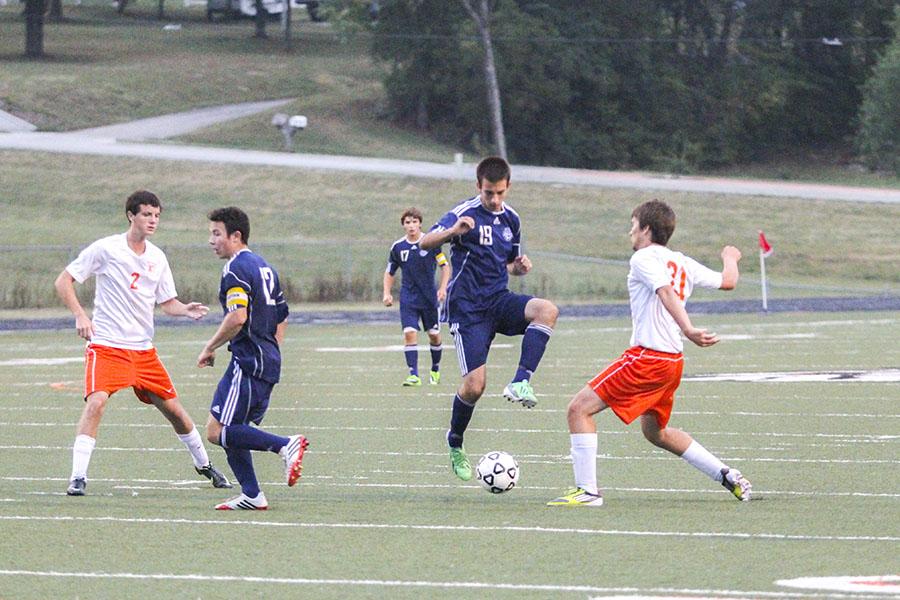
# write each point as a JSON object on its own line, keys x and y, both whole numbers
{"x": 244, "y": 502}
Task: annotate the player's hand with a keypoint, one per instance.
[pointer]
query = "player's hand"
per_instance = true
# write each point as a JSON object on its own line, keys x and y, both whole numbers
{"x": 85, "y": 327}
{"x": 441, "y": 294}
{"x": 195, "y": 310}
{"x": 521, "y": 266}
{"x": 388, "y": 299}
{"x": 206, "y": 358}
{"x": 732, "y": 253}
{"x": 701, "y": 337}
{"x": 463, "y": 225}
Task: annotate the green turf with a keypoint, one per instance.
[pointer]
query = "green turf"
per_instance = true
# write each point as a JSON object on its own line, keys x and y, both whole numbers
{"x": 378, "y": 504}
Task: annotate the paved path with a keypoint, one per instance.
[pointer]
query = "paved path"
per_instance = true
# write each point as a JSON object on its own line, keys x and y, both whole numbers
{"x": 168, "y": 126}
{"x": 109, "y": 141}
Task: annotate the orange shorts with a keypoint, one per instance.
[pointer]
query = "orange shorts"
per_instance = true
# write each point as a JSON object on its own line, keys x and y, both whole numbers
{"x": 640, "y": 381}
{"x": 108, "y": 369}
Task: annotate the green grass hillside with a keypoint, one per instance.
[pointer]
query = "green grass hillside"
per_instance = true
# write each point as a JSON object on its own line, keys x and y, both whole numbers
{"x": 329, "y": 232}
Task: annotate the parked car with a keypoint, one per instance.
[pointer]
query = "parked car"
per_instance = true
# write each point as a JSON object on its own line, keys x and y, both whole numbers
{"x": 236, "y": 9}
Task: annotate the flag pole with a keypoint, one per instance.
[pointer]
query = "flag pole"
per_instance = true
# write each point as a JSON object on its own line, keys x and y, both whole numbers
{"x": 765, "y": 249}
{"x": 762, "y": 274}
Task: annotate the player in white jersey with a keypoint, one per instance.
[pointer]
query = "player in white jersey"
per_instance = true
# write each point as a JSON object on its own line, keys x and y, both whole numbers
{"x": 642, "y": 382}
{"x": 132, "y": 276}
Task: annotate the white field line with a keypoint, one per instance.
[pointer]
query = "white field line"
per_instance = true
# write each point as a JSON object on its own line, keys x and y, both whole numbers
{"x": 838, "y": 437}
{"x": 731, "y": 535}
{"x": 78, "y": 407}
{"x": 363, "y": 481}
{"x": 401, "y": 583}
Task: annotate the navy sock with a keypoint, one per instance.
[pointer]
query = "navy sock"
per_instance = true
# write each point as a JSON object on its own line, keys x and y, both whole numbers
{"x": 436, "y": 358}
{"x": 241, "y": 463}
{"x": 412, "y": 358}
{"x": 459, "y": 421}
{"x": 534, "y": 342}
{"x": 247, "y": 437}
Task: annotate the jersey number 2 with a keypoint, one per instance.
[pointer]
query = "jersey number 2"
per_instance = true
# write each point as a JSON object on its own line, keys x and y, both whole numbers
{"x": 135, "y": 277}
{"x": 268, "y": 279}
{"x": 679, "y": 289}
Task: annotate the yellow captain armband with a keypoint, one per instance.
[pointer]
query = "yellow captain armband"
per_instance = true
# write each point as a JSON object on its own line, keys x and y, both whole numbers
{"x": 440, "y": 258}
{"x": 236, "y": 297}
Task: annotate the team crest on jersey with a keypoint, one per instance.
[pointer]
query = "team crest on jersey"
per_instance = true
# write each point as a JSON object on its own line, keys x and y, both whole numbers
{"x": 507, "y": 234}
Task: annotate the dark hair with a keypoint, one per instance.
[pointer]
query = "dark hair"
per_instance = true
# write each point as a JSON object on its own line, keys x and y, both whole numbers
{"x": 659, "y": 217}
{"x": 135, "y": 200}
{"x": 234, "y": 219}
{"x": 493, "y": 169}
{"x": 413, "y": 212}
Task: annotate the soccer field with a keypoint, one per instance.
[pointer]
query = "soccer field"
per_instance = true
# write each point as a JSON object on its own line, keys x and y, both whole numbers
{"x": 378, "y": 512}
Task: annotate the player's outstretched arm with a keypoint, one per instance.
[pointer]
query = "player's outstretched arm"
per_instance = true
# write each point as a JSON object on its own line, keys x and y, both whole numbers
{"x": 670, "y": 301}
{"x": 730, "y": 258}
{"x": 65, "y": 289}
{"x": 175, "y": 308}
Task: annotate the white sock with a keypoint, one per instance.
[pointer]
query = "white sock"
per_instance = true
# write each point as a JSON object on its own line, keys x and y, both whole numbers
{"x": 701, "y": 458}
{"x": 194, "y": 443}
{"x": 81, "y": 455}
{"x": 584, "y": 460}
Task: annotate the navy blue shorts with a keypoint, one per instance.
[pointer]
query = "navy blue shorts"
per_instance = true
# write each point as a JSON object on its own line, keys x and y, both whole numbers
{"x": 474, "y": 332}
{"x": 411, "y": 316}
{"x": 239, "y": 398}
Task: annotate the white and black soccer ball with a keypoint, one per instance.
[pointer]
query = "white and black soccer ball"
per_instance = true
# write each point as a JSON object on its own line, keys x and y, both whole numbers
{"x": 497, "y": 472}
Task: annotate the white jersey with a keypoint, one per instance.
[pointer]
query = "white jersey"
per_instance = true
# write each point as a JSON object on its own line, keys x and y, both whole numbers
{"x": 651, "y": 268}
{"x": 128, "y": 288}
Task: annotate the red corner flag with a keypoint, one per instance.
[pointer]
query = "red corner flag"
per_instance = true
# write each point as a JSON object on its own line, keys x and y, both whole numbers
{"x": 764, "y": 247}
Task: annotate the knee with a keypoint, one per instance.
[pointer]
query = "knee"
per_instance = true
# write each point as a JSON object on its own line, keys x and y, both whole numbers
{"x": 471, "y": 391}
{"x": 548, "y": 314}
{"x": 657, "y": 437}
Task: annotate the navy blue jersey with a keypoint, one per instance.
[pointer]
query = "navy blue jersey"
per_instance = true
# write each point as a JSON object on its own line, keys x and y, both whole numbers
{"x": 417, "y": 288}
{"x": 249, "y": 282}
{"x": 480, "y": 256}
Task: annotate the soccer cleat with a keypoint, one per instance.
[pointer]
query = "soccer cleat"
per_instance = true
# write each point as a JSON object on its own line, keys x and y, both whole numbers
{"x": 737, "y": 484}
{"x": 412, "y": 381}
{"x": 577, "y": 497}
{"x": 460, "y": 463}
{"x": 521, "y": 392}
{"x": 244, "y": 502}
{"x": 216, "y": 476}
{"x": 434, "y": 378}
{"x": 292, "y": 454}
{"x": 76, "y": 487}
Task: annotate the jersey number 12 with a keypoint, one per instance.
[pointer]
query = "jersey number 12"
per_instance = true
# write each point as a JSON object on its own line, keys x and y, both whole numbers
{"x": 268, "y": 279}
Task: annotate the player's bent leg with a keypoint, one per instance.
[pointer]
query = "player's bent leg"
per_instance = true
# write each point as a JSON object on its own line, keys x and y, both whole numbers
{"x": 667, "y": 438}
{"x": 581, "y": 410}
{"x": 92, "y": 414}
{"x": 542, "y": 312}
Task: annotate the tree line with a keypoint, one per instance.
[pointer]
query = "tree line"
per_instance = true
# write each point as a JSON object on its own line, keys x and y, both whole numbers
{"x": 671, "y": 84}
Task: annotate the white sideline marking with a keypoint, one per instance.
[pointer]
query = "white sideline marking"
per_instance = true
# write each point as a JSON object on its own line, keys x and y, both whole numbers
{"x": 30, "y": 362}
{"x": 749, "y": 336}
{"x": 362, "y": 481}
{"x": 846, "y": 376}
{"x": 409, "y": 584}
{"x": 455, "y": 528}
{"x": 879, "y": 584}
{"x": 392, "y": 348}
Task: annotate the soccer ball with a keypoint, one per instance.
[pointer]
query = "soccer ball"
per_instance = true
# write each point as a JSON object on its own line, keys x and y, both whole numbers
{"x": 497, "y": 472}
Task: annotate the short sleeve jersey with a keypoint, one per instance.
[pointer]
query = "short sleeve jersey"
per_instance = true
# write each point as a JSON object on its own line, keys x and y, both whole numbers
{"x": 651, "y": 268}
{"x": 128, "y": 286}
{"x": 249, "y": 282}
{"x": 417, "y": 288}
{"x": 479, "y": 257}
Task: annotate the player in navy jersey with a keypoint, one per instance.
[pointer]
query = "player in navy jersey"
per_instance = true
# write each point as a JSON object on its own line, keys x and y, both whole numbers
{"x": 485, "y": 241}
{"x": 253, "y": 326}
{"x": 418, "y": 297}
